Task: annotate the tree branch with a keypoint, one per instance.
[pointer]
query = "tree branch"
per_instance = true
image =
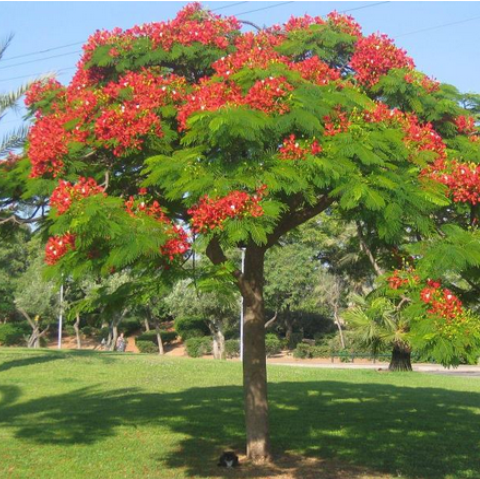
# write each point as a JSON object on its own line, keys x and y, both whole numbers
{"x": 296, "y": 217}
{"x": 364, "y": 247}
{"x": 271, "y": 320}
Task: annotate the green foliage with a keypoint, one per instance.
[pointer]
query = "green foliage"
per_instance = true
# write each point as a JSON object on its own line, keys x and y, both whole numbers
{"x": 197, "y": 347}
{"x": 13, "y": 334}
{"x": 191, "y": 327}
{"x": 147, "y": 347}
{"x": 232, "y": 348}
{"x": 167, "y": 337}
{"x": 273, "y": 345}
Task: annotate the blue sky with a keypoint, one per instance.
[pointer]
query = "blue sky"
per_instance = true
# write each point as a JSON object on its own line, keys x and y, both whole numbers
{"x": 449, "y": 53}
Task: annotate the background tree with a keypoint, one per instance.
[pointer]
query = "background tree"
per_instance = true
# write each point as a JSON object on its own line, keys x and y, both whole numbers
{"x": 245, "y": 136}
{"x": 36, "y": 299}
{"x": 219, "y": 311}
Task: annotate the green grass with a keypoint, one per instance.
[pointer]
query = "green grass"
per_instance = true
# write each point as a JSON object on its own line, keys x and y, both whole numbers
{"x": 100, "y": 415}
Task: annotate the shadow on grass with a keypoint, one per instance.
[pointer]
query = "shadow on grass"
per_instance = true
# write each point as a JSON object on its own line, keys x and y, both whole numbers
{"x": 29, "y": 361}
{"x": 412, "y": 432}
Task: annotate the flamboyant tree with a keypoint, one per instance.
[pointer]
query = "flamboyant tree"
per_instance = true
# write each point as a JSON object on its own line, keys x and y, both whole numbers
{"x": 193, "y": 134}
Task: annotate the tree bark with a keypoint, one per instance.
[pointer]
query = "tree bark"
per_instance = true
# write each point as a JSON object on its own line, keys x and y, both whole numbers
{"x": 254, "y": 356}
{"x": 161, "y": 351}
{"x": 76, "y": 326}
{"x": 401, "y": 358}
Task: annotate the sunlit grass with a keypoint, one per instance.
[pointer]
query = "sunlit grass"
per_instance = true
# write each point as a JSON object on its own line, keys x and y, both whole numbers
{"x": 101, "y": 415}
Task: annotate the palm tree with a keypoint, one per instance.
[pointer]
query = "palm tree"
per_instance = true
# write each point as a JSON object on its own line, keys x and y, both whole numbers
{"x": 9, "y": 102}
{"x": 379, "y": 324}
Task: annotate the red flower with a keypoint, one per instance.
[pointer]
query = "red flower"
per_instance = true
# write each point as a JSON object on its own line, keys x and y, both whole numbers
{"x": 66, "y": 193}
{"x": 210, "y": 213}
{"x": 375, "y": 56}
{"x": 292, "y": 150}
{"x": 57, "y": 247}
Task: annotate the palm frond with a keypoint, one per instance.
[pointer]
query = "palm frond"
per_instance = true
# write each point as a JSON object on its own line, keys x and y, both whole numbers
{"x": 12, "y": 140}
{"x": 9, "y": 100}
{"x": 5, "y": 43}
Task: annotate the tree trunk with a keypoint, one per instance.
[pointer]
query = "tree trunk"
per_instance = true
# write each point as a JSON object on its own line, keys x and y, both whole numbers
{"x": 221, "y": 343}
{"x": 76, "y": 326}
{"x": 147, "y": 325}
{"x": 254, "y": 357}
{"x": 401, "y": 358}
{"x": 161, "y": 351}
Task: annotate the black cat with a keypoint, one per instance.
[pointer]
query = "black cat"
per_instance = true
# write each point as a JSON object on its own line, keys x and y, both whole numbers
{"x": 228, "y": 459}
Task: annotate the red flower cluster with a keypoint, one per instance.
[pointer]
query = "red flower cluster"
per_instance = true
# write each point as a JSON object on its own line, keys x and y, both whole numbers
{"x": 375, "y": 56}
{"x": 462, "y": 180}
{"x": 383, "y": 114}
{"x": 424, "y": 137}
{"x": 39, "y": 89}
{"x": 266, "y": 95}
{"x": 66, "y": 193}
{"x": 336, "y": 123}
{"x": 253, "y": 51}
{"x": 48, "y": 144}
{"x": 210, "y": 213}
{"x": 316, "y": 71}
{"x": 122, "y": 127}
{"x": 419, "y": 79}
{"x": 302, "y": 23}
{"x": 345, "y": 24}
{"x": 291, "y": 149}
{"x": 269, "y": 95}
{"x": 208, "y": 96}
{"x": 396, "y": 281}
{"x": 443, "y": 302}
{"x": 191, "y": 25}
{"x": 177, "y": 243}
{"x": 466, "y": 125}
{"x": 57, "y": 247}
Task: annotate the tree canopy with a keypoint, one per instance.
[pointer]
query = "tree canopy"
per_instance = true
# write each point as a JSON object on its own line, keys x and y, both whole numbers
{"x": 193, "y": 134}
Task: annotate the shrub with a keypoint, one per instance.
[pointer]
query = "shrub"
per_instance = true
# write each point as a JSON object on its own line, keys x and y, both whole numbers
{"x": 167, "y": 336}
{"x": 273, "y": 345}
{"x": 232, "y": 348}
{"x": 191, "y": 327}
{"x": 130, "y": 326}
{"x": 12, "y": 334}
{"x": 103, "y": 333}
{"x": 147, "y": 347}
{"x": 89, "y": 331}
{"x": 69, "y": 330}
{"x": 305, "y": 351}
{"x": 197, "y": 347}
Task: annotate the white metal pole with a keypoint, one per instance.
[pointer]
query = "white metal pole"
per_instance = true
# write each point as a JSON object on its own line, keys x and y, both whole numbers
{"x": 60, "y": 318}
{"x": 241, "y": 310}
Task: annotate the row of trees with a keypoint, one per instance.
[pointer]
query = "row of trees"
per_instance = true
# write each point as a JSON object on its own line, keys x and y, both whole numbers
{"x": 192, "y": 138}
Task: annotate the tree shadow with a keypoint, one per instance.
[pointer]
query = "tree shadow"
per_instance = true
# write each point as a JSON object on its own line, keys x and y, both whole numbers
{"x": 413, "y": 432}
{"x": 29, "y": 361}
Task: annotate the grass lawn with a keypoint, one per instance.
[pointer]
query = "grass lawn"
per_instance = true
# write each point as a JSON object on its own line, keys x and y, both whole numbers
{"x": 102, "y": 415}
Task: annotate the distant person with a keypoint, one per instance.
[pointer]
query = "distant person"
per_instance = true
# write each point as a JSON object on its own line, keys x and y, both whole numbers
{"x": 121, "y": 343}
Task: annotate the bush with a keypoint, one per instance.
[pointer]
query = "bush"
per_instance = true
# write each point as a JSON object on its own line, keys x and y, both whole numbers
{"x": 167, "y": 336}
{"x": 232, "y": 348}
{"x": 273, "y": 345}
{"x": 69, "y": 330}
{"x": 147, "y": 347}
{"x": 130, "y": 326}
{"x": 306, "y": 351}
{"x": 12, "y": 334}
{"x": 191, "y": 327}
{"x": 89, "y": 331}
{"x": 197, "y": 347}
